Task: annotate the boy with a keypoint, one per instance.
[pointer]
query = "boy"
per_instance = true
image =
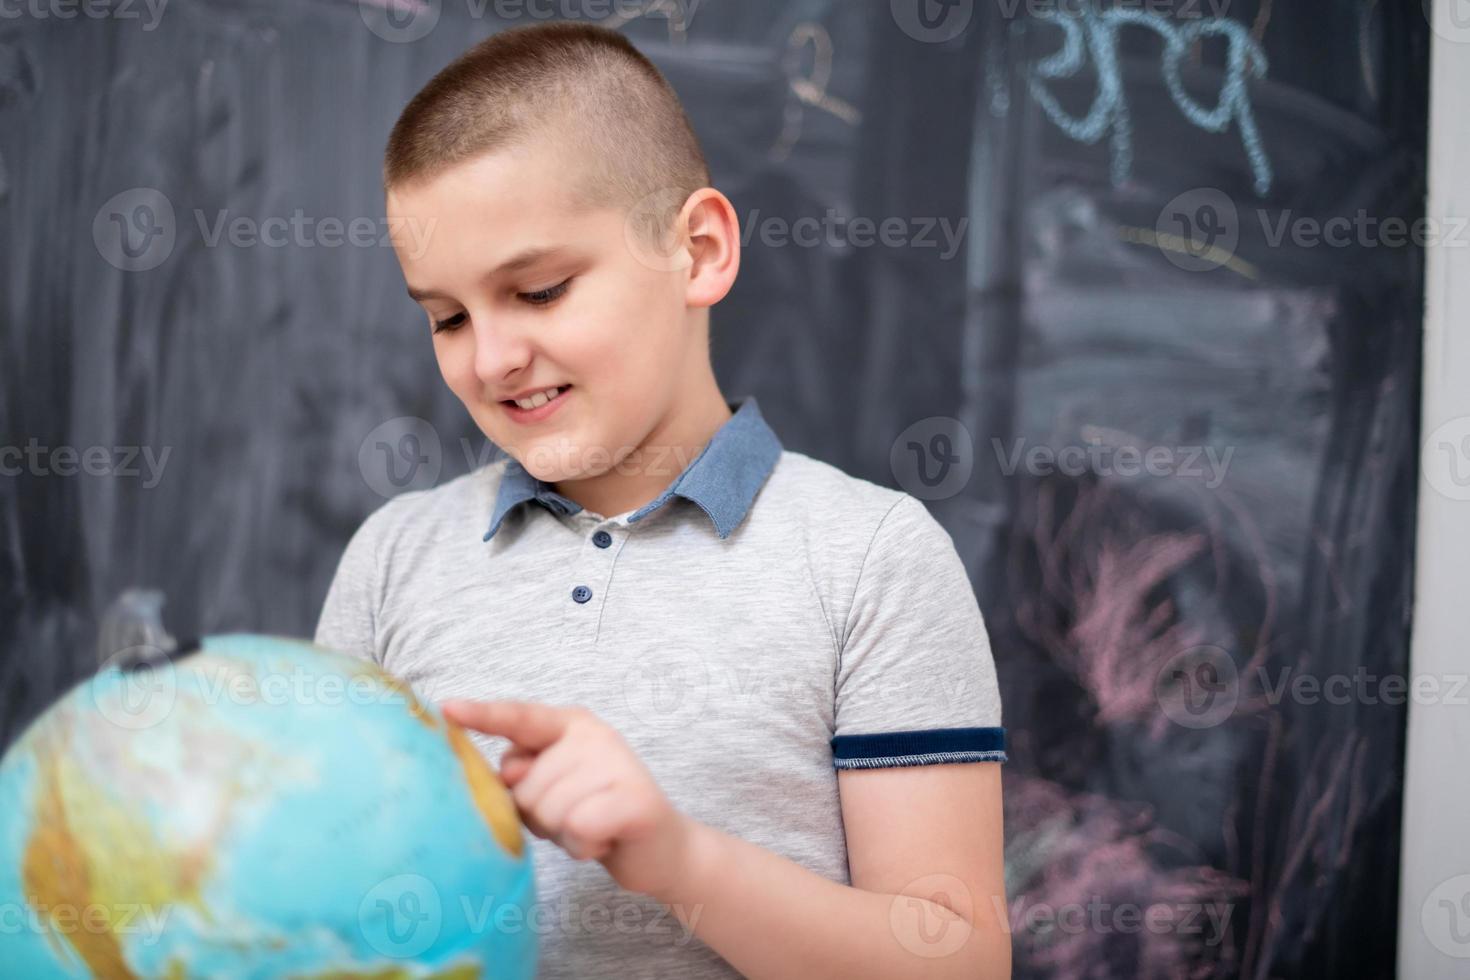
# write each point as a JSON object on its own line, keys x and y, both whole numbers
{"x": 737, "y": 684}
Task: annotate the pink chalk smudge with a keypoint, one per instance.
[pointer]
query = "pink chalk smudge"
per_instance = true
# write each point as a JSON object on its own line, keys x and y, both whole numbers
{"x": 1104, "y": 611}
{"x": 1084, "y": 872}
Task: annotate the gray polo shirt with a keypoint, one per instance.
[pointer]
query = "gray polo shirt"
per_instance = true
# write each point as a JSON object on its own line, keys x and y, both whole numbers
{"x": 766, "y": 621}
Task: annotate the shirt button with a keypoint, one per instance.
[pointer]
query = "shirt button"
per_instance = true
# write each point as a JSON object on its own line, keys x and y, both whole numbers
{"x": 581, "y": 593}
{"x": 602, "y": 539}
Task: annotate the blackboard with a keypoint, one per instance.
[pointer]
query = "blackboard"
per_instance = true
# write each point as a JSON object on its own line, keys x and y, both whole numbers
{"x": 1184, "y": 421}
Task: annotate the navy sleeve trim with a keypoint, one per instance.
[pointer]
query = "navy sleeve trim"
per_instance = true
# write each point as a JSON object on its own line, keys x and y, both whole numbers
{"x": 919, "y": 747}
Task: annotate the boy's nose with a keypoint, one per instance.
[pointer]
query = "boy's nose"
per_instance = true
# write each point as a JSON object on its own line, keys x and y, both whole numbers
{"x": 499, "y": 354}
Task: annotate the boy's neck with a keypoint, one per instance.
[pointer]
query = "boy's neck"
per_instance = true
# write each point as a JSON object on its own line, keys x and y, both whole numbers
{"x": 651, "y": 468}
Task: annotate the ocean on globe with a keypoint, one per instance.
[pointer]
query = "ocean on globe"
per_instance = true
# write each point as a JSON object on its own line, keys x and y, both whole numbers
{"x": 258, "y": 808}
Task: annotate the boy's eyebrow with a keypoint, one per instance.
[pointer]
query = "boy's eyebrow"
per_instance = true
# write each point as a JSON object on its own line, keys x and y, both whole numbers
{"x": 522, "y": 259}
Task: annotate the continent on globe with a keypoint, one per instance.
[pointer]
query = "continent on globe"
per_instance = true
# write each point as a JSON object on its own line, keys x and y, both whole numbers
{"x": 259, "y": 807}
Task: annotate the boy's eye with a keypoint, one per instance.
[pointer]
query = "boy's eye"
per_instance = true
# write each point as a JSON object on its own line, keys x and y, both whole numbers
{"x": 450, "y": 323}
{"x": 542, "y": 297}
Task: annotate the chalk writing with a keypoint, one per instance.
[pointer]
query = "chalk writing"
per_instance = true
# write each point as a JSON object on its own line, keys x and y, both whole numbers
{"x": 678, "y": 13}
{"x": 808, "y": 89}
{"x": 18, "y": 80}
{"x": 1088, "y": 32}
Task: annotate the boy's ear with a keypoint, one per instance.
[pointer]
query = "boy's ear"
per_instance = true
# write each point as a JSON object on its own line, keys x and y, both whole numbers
{"x": 714, "y": 246}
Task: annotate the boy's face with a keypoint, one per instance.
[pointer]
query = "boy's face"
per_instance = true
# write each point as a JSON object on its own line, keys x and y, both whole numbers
{"x": 525, "y": 294}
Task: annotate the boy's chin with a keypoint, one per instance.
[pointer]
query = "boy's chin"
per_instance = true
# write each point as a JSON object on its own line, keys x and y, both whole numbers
{"x": 559, "y": 459}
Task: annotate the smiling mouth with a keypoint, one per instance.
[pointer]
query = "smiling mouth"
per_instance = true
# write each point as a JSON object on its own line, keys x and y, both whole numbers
{"x": 537, "y": 400}
{"x": 543, "y": 406}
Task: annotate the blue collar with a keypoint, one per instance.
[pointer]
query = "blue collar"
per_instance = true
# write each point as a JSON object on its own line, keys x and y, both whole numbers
{"x": 722, "y": 480}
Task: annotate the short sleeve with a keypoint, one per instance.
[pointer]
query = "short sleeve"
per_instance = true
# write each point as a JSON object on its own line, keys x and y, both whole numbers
{"x": 348, "y": 620}
{"x": 916, "y": 679}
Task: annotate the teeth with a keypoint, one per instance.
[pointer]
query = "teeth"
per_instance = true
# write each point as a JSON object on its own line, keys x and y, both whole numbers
{"x": 538, "y": 399}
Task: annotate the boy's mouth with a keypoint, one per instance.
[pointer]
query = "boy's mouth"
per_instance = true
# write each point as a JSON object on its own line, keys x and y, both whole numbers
{"x": 541, "y": 405}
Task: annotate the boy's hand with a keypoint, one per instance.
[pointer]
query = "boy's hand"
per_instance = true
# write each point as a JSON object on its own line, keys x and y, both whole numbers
{"x": 577, "y": 783}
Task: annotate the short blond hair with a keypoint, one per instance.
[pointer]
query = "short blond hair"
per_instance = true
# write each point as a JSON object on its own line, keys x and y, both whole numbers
{"x": 583, "y": 86}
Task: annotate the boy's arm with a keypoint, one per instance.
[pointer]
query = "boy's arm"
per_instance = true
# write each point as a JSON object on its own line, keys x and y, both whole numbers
{"x": 348, "y": 620}
{"x": 918, "y": 747}
{"x": 927, "y": 898}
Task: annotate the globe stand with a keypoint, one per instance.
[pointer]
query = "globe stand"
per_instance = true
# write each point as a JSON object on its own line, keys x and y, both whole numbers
{"x": 132, "y": 635}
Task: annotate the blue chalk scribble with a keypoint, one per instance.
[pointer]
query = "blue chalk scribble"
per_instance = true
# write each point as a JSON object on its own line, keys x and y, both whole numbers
{"x": 1086, "y": 31}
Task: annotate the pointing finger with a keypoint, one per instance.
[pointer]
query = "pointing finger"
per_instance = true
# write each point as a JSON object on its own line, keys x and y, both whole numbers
{"x": 529, "y": 724}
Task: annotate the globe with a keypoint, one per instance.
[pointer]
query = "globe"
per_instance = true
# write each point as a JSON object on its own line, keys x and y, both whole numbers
{"x": 260, "y": 807}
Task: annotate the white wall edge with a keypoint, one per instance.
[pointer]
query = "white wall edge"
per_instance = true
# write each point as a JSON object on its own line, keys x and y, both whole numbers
{"x": 1434, "y": 879}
